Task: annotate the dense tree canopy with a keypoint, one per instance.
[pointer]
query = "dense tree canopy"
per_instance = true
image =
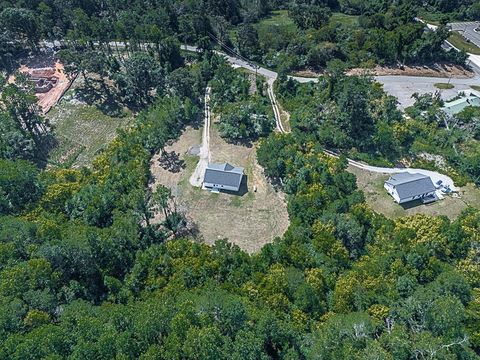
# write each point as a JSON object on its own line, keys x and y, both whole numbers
{"x": 86, "y": 274}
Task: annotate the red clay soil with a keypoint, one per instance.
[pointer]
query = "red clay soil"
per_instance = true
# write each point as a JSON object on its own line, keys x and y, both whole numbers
{"x": 48, "y": 99}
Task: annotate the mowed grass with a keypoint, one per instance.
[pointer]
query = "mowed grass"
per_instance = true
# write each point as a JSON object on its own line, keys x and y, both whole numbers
{"x": 444, "y": 86}
{"x": 475, "y": 87}
{"x": 379, "y": 200}
{"x": 457, "y": 40}
{"x": 82, "y": 131}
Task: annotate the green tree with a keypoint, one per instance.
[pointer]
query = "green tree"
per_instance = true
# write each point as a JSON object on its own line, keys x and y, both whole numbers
{"x": 19, "y": 185}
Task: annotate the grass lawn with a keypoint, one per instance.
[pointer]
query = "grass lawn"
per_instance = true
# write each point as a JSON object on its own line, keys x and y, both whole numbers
{"x": 344, "y": 19}
{"x": 250, "y": 219}
{"x": 278, "y": 18}
{"x": 457, "y": 40}
{"x": 81, "y": 130}
{"x": 380, "y": 201}
{"x": 444, "y": 86}
{"x": 475, "y": 87}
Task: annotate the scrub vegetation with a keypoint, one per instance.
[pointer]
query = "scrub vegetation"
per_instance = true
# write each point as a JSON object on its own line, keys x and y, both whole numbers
{"x": 106, "y": 261}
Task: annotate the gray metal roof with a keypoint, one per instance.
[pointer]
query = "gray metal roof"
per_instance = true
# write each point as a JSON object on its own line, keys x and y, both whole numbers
{"x": 223, "y": 174}
{"x": 408, "y": 185}
{"x": 456, "y": 106}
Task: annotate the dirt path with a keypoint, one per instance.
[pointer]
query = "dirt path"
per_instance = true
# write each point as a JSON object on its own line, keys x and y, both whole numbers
{"x": 276, "y": 110}
{"x": 205, "y": 157}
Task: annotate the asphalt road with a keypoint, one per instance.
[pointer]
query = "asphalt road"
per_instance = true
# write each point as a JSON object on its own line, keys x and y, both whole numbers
{"x": 473, "y": 60}
{"x": 467, "y": 29}
{"x": 269, "y": 74}
{"x": 403, "y": 87}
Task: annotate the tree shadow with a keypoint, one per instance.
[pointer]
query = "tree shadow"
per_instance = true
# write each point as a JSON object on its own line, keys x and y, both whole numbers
{"x": 171, "y": 162}
{"x": 189, "y": 230}
{"x": 198, "y": 121}
{"x": 248, "y": 143}
{"x": 47, "y": 143}
{"x": 40, "y": 59}
{"x": 102, "y": 97}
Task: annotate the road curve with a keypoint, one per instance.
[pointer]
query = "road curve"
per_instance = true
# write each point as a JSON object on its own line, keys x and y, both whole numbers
{"x": 269, "y": 74}
{"x": 196, "y": 177}
{"x": 435, "y": 176}
{"x": 272, "y": 76}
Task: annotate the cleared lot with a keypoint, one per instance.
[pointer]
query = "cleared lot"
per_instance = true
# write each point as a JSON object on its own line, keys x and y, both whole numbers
{"x": 81, "y": 130}
{"x": 250, "y": 220}
{"x": 403, "y": 87}
{"x": 380, "y": 201}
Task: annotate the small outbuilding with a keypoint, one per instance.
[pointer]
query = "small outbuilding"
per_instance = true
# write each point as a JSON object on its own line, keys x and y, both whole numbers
{"x": 470, "y": 98}
{"x": 223, "y": 177}
{"x": 405, "y": 187}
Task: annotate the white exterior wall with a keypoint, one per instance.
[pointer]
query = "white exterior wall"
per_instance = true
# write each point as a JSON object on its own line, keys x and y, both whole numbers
{"x": 222, "y": 187}
{"x": 392, "y": 192}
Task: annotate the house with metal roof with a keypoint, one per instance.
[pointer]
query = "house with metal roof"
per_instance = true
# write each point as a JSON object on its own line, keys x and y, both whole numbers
{"x": 454, "y": 107}
{"x": 405, "y": 187}
{"x": 223, "y": 177}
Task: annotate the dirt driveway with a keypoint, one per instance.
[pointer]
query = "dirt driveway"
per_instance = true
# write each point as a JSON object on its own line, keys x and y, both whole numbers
{"x": 250, "y": 219}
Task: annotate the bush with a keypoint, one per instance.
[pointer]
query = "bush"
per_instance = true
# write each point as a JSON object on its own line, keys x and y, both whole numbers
{"x": 19, "y": 185}
{"x": 245, "y": 121}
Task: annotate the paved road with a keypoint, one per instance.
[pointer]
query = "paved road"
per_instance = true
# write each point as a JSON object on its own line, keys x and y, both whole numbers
{"x": 474, "y": 60}
{"x": 399, "y": 86}
{"x": 391, "y": 82}
{"x": 467, "y": 29}
{"x": 205, "y": 158}
{"x": 403, "y": 87}
{"x": 269, "y": 74}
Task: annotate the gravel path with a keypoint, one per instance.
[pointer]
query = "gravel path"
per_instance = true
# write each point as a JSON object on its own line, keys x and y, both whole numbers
{"x": 435, "y": 176}
{"x": 197, "y": 177}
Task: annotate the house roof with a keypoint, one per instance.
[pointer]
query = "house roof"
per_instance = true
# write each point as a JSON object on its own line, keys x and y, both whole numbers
{"x": 456, "y": 106}
{"x": 223, "y": 174}
{"x": 408, "y": 185}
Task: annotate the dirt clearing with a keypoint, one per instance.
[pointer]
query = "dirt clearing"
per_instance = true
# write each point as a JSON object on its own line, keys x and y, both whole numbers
{"x": 50, "y": 83}
{"x": 250, "y": 219}
{"x": 436, "y": 70}
{"x": 81, "y": 130}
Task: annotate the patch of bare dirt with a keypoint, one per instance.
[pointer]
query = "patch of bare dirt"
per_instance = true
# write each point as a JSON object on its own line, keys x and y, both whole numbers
{"x": 436, "y": 70}
{"x": 53, "y": 75}
{"x": 308, "y": 73}
{"x": 250, "y": 219}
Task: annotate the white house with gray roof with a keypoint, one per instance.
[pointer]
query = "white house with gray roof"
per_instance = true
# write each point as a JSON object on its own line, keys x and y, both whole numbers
{"x": 405, "y": 187}
{"x": 223, "y": 177}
